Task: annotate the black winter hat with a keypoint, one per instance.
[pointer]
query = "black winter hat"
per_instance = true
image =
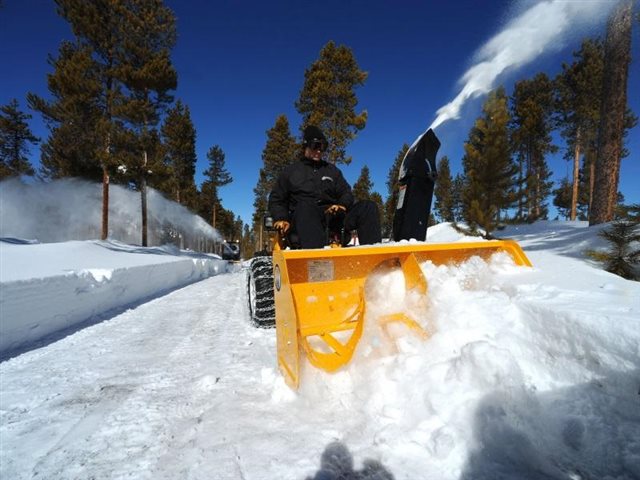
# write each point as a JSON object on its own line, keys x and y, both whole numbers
{"x": 313, "y": 133}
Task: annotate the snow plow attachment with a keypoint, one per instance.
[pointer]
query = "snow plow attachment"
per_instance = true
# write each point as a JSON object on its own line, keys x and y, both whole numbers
{"x": 320, "y": 301}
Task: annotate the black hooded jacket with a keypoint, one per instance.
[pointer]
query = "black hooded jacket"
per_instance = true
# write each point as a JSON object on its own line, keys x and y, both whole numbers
{"x": 308, "y": 180}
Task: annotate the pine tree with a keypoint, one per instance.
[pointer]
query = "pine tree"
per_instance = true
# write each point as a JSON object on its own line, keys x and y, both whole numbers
{"x": 74, "y": 116}
{"x": 457, "y": 189}
{"x": 617, "y": 54}
{"x": 443, "y": 191}
{"x": 99, "y": 27}
{"x": 237, "y": 229}
{"x": 15, "y": 137}
{"x": 179, "y": 138}
{"x": 562, "y": 198}
{"x": 578, "y": 99}
{"x": 362, "y": 187}
{"x": 148, "y": 75}
{"x": 623, "y": 256}
{"x": 279, "y": 151}
{"x": 217, "y": 176}
{"x": 104, "y": 40}
{"x": 328, "y": 99}
{"x": 226, "y": 223}
{"x": 392, "y": 191}
{"x": 531, "y": 126}
{"x": 489, "y": 171}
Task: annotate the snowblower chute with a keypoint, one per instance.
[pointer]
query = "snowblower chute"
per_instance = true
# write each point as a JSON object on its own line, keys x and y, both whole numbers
{"x": 319, "y": 295}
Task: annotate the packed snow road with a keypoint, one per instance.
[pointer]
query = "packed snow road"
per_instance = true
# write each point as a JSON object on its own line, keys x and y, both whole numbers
{"x": 125, "y": 397}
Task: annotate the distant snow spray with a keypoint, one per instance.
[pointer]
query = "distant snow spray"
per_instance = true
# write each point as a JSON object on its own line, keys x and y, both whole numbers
{"x": 540, "y": 28}
{"x": 70, "y": 209}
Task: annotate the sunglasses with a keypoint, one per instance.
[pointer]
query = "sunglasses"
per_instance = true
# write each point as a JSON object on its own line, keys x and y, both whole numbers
{"x": 318, "y": 145}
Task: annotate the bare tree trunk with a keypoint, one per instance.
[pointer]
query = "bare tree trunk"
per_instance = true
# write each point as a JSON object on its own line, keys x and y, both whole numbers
{"x": 538, "y": 198}
{"x": 105, "y": 202}
{"x": 592, "y": 181}
{"x": 143, "y": 201}
{"x": 576, "y": 178}
{"x": 143, "y": 198}
{"x": 520, "y": 191}
{"x": 614, "y": 101}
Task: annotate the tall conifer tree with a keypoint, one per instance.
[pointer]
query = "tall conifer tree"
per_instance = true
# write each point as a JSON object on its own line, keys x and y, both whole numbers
{"x": 443, "y": 192}
{"x": 531, "y": 126}
{"x": 217, "y": 176}
{"x": 578, "y": 99}
{"x": 179, "y": 138}
{"x": 100, "y": 26}
{"x": 457, "y": 189}
{"x": 148, "y": 75}
{"x": 489, "y": 171}
{"x": 74, "y": 115}
{"x": 15, "y": 137}
{"x": 328, "y": 99}
{"x": 362, "y": 187}
{"x": 562, "y": 198}
{"x": 280, "y": 150}
{"x": 104, "y": 35}
{"x": 617, "y": 54}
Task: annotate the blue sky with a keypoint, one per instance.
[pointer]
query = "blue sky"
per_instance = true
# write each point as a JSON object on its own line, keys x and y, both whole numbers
{"x": 241, "y": 64}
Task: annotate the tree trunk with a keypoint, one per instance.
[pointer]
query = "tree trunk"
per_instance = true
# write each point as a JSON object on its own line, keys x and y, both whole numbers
{"x": 592, "y": 180}
{"x": 520, "y": 191}
{"x": 143, "y": 198}
{"x": 614, "y": 101}
{"x": 576, "y": 178}
{"x": 105, "y": 202}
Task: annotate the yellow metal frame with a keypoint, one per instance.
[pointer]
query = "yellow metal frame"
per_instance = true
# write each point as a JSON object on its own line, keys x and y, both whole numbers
{"x": 319, "y": 295}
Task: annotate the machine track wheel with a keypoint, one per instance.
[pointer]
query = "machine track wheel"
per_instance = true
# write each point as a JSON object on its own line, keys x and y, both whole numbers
{"x": 260, "y": 292}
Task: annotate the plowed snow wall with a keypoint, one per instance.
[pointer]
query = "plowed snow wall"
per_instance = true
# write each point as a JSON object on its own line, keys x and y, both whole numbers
{"x": 33, "y": 309}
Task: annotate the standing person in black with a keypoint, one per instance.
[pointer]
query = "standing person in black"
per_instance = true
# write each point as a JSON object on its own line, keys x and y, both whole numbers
{"x": 311, "y": 192}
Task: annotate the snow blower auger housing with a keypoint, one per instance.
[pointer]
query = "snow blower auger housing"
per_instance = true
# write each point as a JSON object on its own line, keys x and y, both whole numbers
{"x": 319, "y": 294}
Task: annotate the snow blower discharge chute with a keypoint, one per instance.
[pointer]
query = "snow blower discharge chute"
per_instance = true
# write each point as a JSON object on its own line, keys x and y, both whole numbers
{"x": 319, "y": 295}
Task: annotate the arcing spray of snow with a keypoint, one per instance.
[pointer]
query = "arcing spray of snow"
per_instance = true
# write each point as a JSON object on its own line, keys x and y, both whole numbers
{"x": 71, "y": 209}
{"x": 542, "y": 27}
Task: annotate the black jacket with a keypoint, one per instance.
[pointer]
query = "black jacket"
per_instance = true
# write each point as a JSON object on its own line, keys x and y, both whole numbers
{"x": 308, "y": 180}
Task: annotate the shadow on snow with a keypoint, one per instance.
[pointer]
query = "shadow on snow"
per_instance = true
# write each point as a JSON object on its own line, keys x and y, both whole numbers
{"x": 336, "y": 463}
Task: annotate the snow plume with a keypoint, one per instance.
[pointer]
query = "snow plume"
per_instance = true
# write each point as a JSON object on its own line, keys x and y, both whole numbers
{"x": 71, "y": 209}
{"x": 542, "y": 27}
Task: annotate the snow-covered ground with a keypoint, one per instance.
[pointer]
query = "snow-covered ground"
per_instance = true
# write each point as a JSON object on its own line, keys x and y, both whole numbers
{"x": 528, "y": 373}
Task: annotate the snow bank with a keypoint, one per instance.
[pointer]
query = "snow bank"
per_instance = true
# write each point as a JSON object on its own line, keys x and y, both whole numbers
{"x": 49, "y": 288}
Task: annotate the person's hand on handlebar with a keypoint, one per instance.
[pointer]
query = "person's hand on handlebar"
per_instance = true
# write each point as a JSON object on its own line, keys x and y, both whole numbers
{"x": 334, "y": 209}
{"x": 282, "y": 225}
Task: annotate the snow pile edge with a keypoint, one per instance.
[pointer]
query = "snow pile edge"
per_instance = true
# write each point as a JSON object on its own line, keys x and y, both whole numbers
{"x": 35, "y": 308}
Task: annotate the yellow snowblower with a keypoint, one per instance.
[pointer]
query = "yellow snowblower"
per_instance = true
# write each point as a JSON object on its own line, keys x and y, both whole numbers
{"x": 316, "y": 297}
